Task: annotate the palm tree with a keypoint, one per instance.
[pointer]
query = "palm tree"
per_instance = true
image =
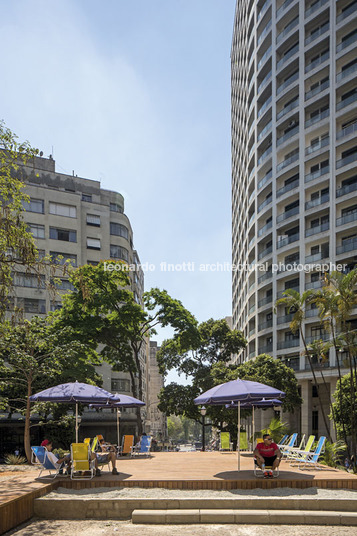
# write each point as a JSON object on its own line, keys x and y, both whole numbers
{"x": 296, "y": 303}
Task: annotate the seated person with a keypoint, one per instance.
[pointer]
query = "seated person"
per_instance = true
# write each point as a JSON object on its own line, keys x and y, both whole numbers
{"x": 267, "y": 454}
{"x": 107, "y": 453}
{"x": 58, "y": 463}
{"x": 138, "y": 444}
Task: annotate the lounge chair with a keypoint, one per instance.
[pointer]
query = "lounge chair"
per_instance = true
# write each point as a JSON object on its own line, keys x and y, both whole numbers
{"x": 87, "y": 441}
{"x": 144, "y": 447}
{"x": 127, "y": 444}
{"x": 294, "y": 453}
{"x": 283, "y": 440}
{"x": 225, "y": 441}
{"x": 287, "y": 450}
{"x": 310, "y": 459}
{"x": 39, "y": 458}
{"x": 80, "y": 462}
{"x": 94, "y": 444}
{"x": 291, "y": 443}
{"x": 243, "y": 441}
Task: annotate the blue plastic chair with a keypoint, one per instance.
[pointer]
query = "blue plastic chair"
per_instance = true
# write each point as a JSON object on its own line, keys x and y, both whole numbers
{"x": 39, "y": 457}
{"x": 310, "y": 459}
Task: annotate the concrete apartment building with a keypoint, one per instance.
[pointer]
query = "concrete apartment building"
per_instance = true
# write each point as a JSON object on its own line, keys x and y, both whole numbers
{"x": 77, "y": 219}
{"x": 294, "y": 181}
{"x": 156, "y": 422}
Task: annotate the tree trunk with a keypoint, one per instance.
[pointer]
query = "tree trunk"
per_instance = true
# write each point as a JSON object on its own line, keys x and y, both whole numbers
{"x": 27, "y": 440}
{"x": 307, "y": 353}
{"x": 137, "y": 410}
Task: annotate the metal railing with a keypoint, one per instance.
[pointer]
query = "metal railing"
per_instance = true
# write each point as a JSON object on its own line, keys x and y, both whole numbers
{"x": 288, "y": 108}
{"x": 316, "y": 118}
{"x": 264, "y": 106}
{"x": 346, "y": 42}
{"x": 346, "y": 160}
{"x": 288, "y": 240}
{"x": 292, "y": 24}
{"x": 265, "y": 301}
{"x": 280, "y": 294}
{"x": 287, "y": 82}
{"x": 347, "y": 189}
{"x": 317, "y": 90}
{"x": 287, "y": 162}
{"x": 287, "y": 188}
{"x": 265, "y": 325}
{"x": 314, "y": 258}
{"x": 264, "y": 33}
{"x": 264, "y": 277}
{"x": 317, "y": 146}
{"x": 264, "y": 58}
{"x": 346, "y": 13}
{"x": 283, "y": 7}
{"x": 319, "y": 31}
{"x": 317, "y": 229}
{"x": 346, "y": 72}
{"x": 348, "y": 218}
{"x": 265, "y": 130}
{"x": 264, "y": 81}
{"x": 313, "y": 285}
{"x": 316, "y": 174}
{"x": 265, "y": 228}
{"x": 318, "y": 201}
{"x": 264, "y": 155}
{"x": 345, "y": 102}
{"x": 287, "y": 56}
{"x": 265, "y": 203}
{"x": 315, "y": 7}
{"x": 265, "y": 252}
{"x": 290, "y": 343}
{"x": 263, "y": 9}
{"x": 288, "y": 135}
{"x": 265, "y": 349}
{"x": 349, "y": 245}
{"x": 285, "y": 318}
{"x": 310, "y": 66}
{"x": 346, "y": 131}
{"x": 265, "y": 179}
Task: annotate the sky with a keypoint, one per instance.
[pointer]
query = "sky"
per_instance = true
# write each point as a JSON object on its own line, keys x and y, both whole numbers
{"x": 136, "y": 94}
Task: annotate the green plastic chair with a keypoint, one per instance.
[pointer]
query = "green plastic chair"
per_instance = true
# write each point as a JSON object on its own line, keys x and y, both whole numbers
{"x": 297, "y": 454}
{"x": 225, "y": 441}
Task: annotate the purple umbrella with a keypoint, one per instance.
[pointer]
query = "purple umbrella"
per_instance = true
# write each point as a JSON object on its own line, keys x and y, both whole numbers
{"x": 238, "y": 391}
{"x": 125, "y": 401}
{"x": 75, "y": 392}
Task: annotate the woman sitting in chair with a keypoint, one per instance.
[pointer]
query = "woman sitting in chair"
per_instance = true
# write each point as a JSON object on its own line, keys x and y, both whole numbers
{"x": 267, "y": 455}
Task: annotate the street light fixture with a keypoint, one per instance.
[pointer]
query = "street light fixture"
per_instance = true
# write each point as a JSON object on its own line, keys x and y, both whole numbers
{"x": 203, "y": 413}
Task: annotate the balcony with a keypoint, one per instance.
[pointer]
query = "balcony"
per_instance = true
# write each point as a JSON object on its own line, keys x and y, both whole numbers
{"x": 264, "y": 33}
{"x": 265, "y": 325}
{"x": 265, "y": 349}
{"x": 265, "y": 131}
{"x": 350, "y": 129}
{"x": 251, "y": 219}
{"x": 264, "y": 81}
{"x": 346, "y": 72}
{"x": 316, "y": 174}
{"x": 315, "y": 7}
{"x": 317, "y": 90}
{"x": 265, "y": 252}
{"x": 251, "y": 309}
{"x": 346, "y": 160}
{"x": 283, "y": 7}
{"x": 315, "y": 258}
{"x": 287, "y": 214}
{"x": 315, "y": 63}
{"x": 288, "y": 108}
{"x": 263, "y": 9}
{"x": 265, "y": 155}
{"x": 281, "y": 294}
{"x": 251, "y": 197}
{"x": 265, "y": 228}
{"x": 265, "y": 203}
{"x": 317, "y": 118}
{"x": 321, "y": 337}
{"x": 287, "y": 83}
{"x": 264, "y": 277}
{"x": 317, "y": 229}
{"x": 346, "y": 43}
{"x": 251, "y": 174}
{"x": 285, "y": 318}
{"x": 264, "y": 58}
{"x": 265, "y": 179}
{"x": 285, "y": 163}
{"x": 318, "y": 201}
{"x": 346, "y": 13}
{"x": 310, "y": 313}
{"x": 346, "y": 102}
{"x": 316, "y": 146}
{"x": 287, "y": 56}
{"x": 292, "y": 24}
{"x": 251, "y": 242}
{"x": 290, "y": 186}
{"x": 265, "y": 106}
{"x": 348, "y": 218}
{"x": 318, "y": 366}
{"x": 313, "y": 285}
{"x": 319, "y": 31}
{"x": 290, "y": 343}
{"x": 350, "y": 245}
{"x": 251, "y": 332}
{"x": 265, "y": 301}
{"x": 288, "y": 240}
{"x": 347, "y": 189}
{"x": 287, "y": 136}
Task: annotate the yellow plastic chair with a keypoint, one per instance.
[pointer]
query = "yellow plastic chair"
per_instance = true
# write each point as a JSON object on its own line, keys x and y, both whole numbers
{"x": 94, "y": 444}
{"x": 127, "y": 444}
{"x": 87, "y": 441}
{"x": 80, "y": 454}
{"x": 297, "y": 454}
{"x": 225, "y": 439}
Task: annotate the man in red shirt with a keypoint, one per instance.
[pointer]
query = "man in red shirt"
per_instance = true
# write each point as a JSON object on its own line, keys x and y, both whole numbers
{"x": 267, "y": 454}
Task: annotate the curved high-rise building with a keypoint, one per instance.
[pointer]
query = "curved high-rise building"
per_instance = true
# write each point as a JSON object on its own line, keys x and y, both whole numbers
{"x": 294, "y": 177}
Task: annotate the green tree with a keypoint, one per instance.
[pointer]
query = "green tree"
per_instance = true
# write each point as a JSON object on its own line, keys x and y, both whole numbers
{"x": 296, "y": 305}
{"x": 342, "y": 404}
{"x": 103, "y": 311}
{"x": 33, "y": 357}
{"x": 174, "y": 427}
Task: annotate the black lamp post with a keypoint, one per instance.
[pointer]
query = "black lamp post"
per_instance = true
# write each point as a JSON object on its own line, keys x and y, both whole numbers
{"x": 203, "y": 413}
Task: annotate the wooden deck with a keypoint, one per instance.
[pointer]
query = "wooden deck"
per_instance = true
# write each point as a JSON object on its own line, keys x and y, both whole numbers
{"x": 172, "y": 470}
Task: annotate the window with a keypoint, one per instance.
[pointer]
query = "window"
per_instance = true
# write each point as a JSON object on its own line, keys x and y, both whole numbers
{"x": 32, "y": 305}
{"x": 315, "y": 249}
{"x": 120, "y": 385}
{"x": 55, "y": 306}
{"x": 93, "y": 219}
{"x": 35, "y": 205}
{"x": 315, "y": 421}
{"x": 63, "y": 210}
{"x": 22, "y": 279}
{"x": 117, "y": 252}
{"x": 65, "y": 257}
{"x": 87, "y": 198}
{"x": 37, "y": 231}
{"x": 118, "y": 229}
{"x": 93, "y": 243}
{"x": 65, "y": 284}
{"x": 67, "y": 235}
{"x": 114, "y": 207}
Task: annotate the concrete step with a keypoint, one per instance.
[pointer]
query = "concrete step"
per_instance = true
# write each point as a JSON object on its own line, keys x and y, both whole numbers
{"x": 244, "y": 517}
{"x": 122, "y": 508}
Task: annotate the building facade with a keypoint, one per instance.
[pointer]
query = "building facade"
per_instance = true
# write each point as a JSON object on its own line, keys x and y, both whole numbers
{"x": 294, "y": 181}
{"x": 78, "y": 220}
{"x": 156, "y": 422}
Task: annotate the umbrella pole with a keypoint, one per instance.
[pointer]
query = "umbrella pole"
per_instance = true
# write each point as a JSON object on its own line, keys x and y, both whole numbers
{"x": 76, "y": 422}
{"x": 238, "y": 436}
{"x": 118, "y": 426}
{"x": 253, "y": 426}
